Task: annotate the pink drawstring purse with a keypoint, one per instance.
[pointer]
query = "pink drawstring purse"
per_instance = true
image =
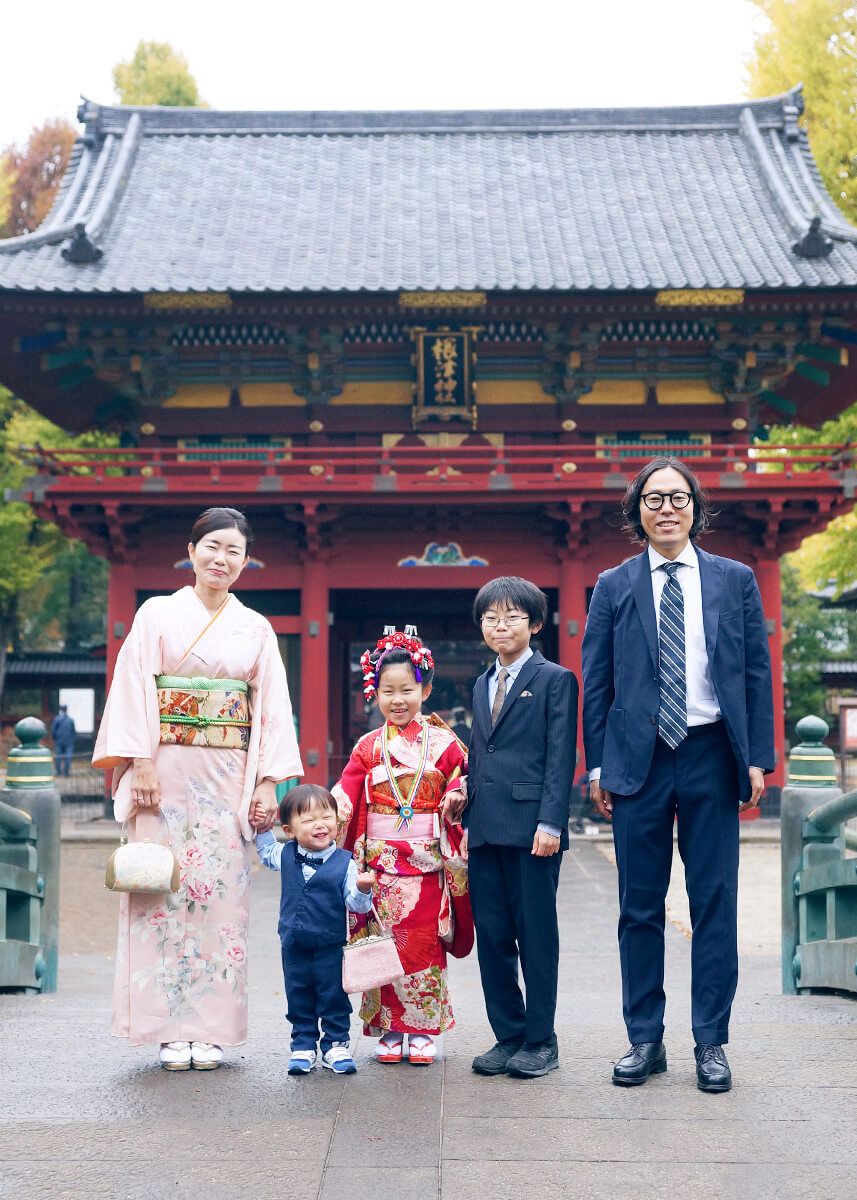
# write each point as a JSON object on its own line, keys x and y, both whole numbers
{"x": 370, "y": 962}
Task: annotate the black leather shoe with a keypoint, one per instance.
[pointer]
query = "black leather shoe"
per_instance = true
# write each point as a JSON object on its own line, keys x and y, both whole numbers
{"x": 494, "y": 1061}
{"x": 639, "y": 1062}
{"x": 533, "y": 1060}
{"x": 712, "y": 1069}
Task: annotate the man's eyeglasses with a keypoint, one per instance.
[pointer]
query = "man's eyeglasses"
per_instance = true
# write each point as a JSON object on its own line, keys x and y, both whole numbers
{"x": 512, "y": 621}
{"x": 655, "y": 500}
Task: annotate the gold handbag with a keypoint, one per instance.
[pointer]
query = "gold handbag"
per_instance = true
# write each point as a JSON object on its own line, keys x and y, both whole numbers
{"x": 145, "y": 867}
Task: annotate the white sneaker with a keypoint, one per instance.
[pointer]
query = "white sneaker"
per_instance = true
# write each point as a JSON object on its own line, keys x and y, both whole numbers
{"x": 205, "y": 1056}
{"x": 339, "y": 1059}
{"x": 175, "y": 1056}
{"x": 301, "y": 1062}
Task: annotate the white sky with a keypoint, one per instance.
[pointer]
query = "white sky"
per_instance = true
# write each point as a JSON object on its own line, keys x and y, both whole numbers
{"x": 388, "y": 54}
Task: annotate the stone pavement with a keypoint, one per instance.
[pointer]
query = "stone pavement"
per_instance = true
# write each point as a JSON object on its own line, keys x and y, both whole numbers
{"x": 85, "y": 1116}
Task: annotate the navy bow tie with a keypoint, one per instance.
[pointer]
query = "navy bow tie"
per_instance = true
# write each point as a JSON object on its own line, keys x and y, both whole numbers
{"x": 308, "y": 860}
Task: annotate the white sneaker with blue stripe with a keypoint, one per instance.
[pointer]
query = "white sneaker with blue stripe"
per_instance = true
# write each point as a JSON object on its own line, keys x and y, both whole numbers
{"x": 302, "y": 1062}
{"x": 338, "y": 1059}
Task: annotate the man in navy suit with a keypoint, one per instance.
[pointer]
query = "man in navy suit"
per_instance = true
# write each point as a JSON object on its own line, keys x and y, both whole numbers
{"x": 678, "y": 725}
{"x": 519, "y": 780}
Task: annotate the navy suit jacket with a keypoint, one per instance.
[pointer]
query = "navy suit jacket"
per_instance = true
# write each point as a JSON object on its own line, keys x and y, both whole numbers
{"x": 620, "y": 670}
{"x": 520, "y": 771}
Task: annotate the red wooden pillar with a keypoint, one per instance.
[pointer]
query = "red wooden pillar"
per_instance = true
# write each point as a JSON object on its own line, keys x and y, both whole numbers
{"x": 315, "y": 665}
{"x": 572, "y": 618}
{"x": 768, "y": 576}
{"x": 121, "y": 606}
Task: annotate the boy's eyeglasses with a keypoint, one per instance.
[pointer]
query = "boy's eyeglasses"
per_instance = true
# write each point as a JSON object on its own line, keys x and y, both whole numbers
{"x": 510, "y": 622}
{"x": 655, "y": 500}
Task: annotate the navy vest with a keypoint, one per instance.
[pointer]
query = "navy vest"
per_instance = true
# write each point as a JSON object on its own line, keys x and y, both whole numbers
{"x": 312, "y": 912}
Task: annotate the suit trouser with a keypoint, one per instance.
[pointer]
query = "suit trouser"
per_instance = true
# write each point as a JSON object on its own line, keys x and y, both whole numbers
{"x": 697, "y": 785}
{"x": 63, "y": 752}
{"x": 513, "y": 895}
{"x": 314, "y": 993}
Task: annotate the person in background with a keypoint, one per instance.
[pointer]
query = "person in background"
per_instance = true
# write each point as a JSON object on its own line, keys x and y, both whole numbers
{"x": 458, "y": 725}
{"x": 63, "y": 733}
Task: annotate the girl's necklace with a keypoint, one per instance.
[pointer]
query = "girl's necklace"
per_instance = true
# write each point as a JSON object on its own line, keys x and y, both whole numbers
{"x": 406, "y": 805}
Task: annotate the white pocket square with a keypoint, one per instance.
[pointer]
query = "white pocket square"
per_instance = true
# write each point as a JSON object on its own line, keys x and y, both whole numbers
{"x": 526, "y": 695}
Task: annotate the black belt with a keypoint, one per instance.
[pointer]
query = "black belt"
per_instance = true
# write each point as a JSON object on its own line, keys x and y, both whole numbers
{"x": 708, "y": 728}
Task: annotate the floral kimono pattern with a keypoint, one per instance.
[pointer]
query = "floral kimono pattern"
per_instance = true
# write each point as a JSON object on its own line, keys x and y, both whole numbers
{"x": 181, "y": 963}
{"x": 421, "y": 888}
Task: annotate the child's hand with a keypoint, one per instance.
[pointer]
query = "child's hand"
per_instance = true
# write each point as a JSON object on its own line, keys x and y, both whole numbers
{"x": 544, "y": 846}
{"x": 452, "y": 806}
{"x": 257, "y": 814}
{"x": 365, "y": 881}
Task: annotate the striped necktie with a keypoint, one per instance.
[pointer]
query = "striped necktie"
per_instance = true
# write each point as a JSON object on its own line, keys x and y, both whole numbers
{"x": 500, "y": 696}
{"x": 672, "y": 718}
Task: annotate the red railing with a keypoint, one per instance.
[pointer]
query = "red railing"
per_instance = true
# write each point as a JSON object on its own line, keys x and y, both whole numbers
{"x": 423, "y": 468}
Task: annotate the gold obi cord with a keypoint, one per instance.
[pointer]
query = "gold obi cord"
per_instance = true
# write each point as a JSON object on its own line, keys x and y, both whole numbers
{"x": 203, "y": 712}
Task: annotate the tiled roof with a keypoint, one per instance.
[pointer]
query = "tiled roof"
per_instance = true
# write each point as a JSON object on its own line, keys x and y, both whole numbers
{"x": 41, "y": 665}
{"x": 199, "y": 200}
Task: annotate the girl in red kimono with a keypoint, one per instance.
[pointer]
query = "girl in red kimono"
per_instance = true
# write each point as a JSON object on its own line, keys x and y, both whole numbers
{"x": 394, "y": 797}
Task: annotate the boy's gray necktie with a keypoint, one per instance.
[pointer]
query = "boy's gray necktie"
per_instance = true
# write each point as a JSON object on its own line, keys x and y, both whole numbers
{"x": 672, "y": 718}
{"x": 499, "y": 698}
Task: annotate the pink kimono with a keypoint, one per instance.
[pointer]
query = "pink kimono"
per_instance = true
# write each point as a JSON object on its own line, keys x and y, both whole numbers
{"x": 181, "y": 963}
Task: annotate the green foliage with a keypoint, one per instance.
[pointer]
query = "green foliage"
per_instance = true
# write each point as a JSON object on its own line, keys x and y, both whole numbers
{"x": 156, "y": 74}
{"x": 829, "y": 557}
{"x": 52, "y": 591}
{"x": 812, "y": 635}
{"x": 815, "y": 42}
{"x": 66, "y": 608}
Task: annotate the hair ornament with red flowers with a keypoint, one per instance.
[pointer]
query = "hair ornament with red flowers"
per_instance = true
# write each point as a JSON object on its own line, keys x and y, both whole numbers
{"x": 371, "y": 660}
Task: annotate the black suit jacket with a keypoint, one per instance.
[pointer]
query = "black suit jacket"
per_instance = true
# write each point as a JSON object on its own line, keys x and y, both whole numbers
{"x": 520, "y": 772}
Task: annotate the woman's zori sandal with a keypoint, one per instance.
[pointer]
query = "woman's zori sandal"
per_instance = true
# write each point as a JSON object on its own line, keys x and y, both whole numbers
{"x": 421, "y": 1049}
{"x": 389, "y": 1048}
{"x": 175, "y": 1056}
{"x": 181, "y": 1056}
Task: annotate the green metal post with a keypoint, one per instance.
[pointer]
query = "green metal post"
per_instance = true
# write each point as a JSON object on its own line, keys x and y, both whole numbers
{"x": 812, "y": 779}
{"x": 30, "y": 786}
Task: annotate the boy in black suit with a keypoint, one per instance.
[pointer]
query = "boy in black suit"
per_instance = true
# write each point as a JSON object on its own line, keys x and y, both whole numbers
{"x": 520, "y": 773}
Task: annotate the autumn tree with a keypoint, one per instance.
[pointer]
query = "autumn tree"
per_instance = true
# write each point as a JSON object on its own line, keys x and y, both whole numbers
{"x": 30, "y": 176}
{"x": 815, "y": 42}
{"x": 156, "y": 74}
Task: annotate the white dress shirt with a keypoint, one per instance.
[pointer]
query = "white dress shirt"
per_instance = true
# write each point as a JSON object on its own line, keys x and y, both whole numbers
{"x": 702, "y": 707}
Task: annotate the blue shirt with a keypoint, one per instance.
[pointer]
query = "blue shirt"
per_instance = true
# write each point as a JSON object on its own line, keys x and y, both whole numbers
{"x": 513, "y": 669}
{"x": 270, "y": 853}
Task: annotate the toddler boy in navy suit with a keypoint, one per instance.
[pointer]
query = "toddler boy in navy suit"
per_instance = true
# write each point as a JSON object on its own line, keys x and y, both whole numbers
{"x": 319, "y": 882}
{"x": 520, "y": 774}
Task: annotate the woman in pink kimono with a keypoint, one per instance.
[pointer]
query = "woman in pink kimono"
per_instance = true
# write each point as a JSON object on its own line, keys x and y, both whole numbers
{"x": 197, "y": 728}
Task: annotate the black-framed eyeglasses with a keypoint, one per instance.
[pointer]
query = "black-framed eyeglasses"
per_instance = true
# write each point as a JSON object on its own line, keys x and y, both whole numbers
{"x": 655, "y": 500}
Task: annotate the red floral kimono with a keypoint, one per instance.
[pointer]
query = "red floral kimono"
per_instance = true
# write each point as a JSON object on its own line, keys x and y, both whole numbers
{"x": 421, "y": 888}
